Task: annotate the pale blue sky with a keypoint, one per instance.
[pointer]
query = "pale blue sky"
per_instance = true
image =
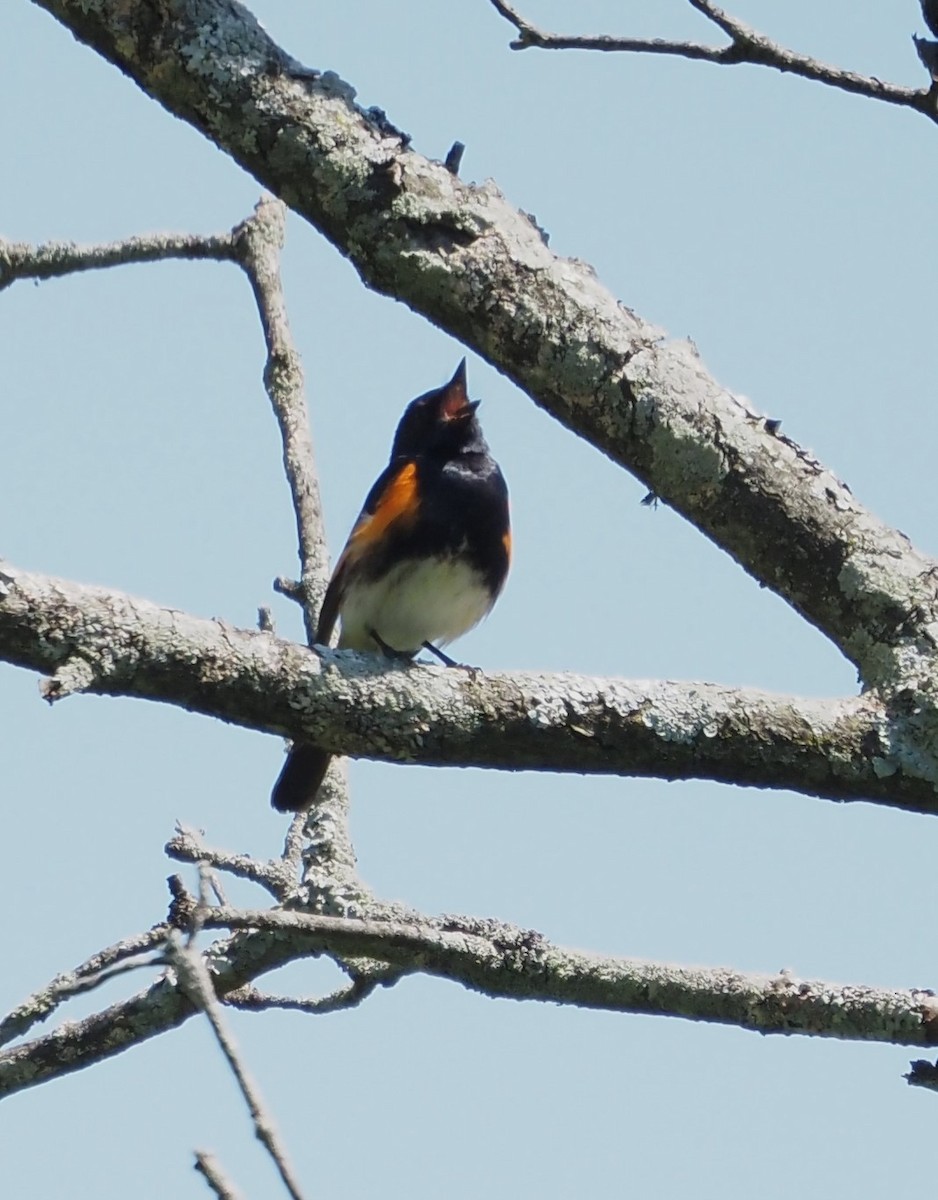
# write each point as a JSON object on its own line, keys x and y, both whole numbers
{"x": 790, "y": 231}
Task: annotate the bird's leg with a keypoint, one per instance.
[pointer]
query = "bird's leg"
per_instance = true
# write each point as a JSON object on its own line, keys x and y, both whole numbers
{"x": 447, "y": 661}
{"x": 438, "y": 653}
{"x": 400, "y": 655}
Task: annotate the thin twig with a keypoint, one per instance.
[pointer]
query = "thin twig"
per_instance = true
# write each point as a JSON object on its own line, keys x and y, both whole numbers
{"x": 195, "y": 982}
{"x": 258, "y": 242}
{"x": 123, "y": 956}
{"x": 746, "y": 45}
{"x": 53, "y": 259}
{"x": 274, "y": 875}
{"x": 252, "y": 999}
{"x": 208, "y": 1166}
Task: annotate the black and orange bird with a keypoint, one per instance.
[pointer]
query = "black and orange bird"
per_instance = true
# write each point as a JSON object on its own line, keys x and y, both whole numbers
{"x": 425, "y": 560}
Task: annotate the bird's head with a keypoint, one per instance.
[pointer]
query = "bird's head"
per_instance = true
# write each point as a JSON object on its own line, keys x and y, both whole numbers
{"x": 440, "y": 423}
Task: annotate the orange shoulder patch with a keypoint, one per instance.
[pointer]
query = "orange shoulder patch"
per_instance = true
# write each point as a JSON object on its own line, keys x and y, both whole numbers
{"x": 506, "y": 542}
{"x": 398, "y": 501}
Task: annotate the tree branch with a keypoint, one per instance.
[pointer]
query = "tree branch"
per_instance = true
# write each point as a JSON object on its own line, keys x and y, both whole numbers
{"x": 122, "y": 956}
{"x": 210, "y": 1169}
{"x": 195, "y": 982}
{"x": 479, "y": 268}
{"x": 252, "y": 999}
{"x": 276, "y": 876}
{"x": 499, "y": 961}
{"x": 257, "y": 245}
{"x": 847, "y": 749}
{"x": 746, "y": 45}
{"x": 55, "y": 259}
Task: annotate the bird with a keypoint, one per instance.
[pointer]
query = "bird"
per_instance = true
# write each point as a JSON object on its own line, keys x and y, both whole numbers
{"x": 426, "y": 559}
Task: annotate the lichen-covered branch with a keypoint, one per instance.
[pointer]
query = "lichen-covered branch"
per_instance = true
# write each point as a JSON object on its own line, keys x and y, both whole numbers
{"x": 499, "y": 961}
{"x": 195, "y": 982}
{"x": 257, "y": 245}
{"x": 746, "y": 45}
{"x": 51, "y": 260}
{"x": 480, "y": 268}
{"x": 855, "y": 748}
{"x": 187, "y": 846}
{"x": 101, "y": 966}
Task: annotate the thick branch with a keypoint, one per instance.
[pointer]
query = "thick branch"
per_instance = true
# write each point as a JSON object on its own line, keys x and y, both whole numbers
{"x": 360, "y": 705}
{"x": 471, "y": 263}
{"x": 499, "y": 961}
{"x": 746, "y": 45}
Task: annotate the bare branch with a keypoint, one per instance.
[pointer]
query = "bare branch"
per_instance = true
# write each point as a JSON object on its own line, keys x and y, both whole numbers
{"x": 273, "y": 874}
{"x": 54, "y": 259}
{"x": 846, "y": 749}
{"x": 208, "y": 1166}
{"x": 499, "y": 961}
{"x": 258, "y": 242}
{"x": 195, "y": 982}
{"x": 252, "y": 999}
{"x": 746, "y": 45}
{"x": 502, "y": 960}
{"x": 115, "y": 960}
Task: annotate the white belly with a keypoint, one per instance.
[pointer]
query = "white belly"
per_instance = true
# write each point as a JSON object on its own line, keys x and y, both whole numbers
{"x": 432, "y": 601}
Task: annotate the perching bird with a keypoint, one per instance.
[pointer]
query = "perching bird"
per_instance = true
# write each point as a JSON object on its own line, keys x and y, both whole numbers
{"x": 426, "y": 558}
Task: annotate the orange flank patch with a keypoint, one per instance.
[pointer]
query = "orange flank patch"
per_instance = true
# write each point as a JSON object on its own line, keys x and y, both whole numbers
{"x": 399, "y": 501}
{"x": 506, "y": 542}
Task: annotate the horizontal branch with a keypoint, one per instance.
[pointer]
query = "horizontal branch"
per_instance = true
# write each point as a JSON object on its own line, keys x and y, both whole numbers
{"x": 499, "y": 961}
{"x": 847, "y": 749}
{"x": 481, "y": 269}
{"x": 54, "y": 259}
{"x": 746, "y": 45}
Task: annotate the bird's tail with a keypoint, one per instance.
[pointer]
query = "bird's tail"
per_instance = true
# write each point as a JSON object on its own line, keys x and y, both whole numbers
{"x": 298, "y": 782}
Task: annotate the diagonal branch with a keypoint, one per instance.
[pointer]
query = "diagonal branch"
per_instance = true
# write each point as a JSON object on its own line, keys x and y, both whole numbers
{"x": 104, "y": 965}
{"x": 746, "y": 45}
{"x": 210, "y": 1169}
{"x": 480, "y": 268}
{"x": 195, "y": 982}
{"x": 357, "y": 704}
{"x": 499, "y": 961}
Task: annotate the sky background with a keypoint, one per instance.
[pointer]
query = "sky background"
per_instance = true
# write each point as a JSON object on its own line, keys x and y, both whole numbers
{"x": 789, "y": 230}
